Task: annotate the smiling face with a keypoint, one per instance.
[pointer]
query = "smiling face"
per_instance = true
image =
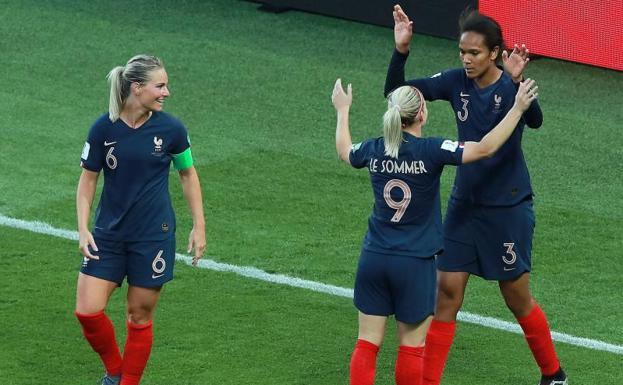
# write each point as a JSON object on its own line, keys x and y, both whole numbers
{"x": 476, "y": 57}
{"x": 151, "y": 94}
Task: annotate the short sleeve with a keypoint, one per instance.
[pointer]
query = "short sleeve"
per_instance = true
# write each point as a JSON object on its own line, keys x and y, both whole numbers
{"x": 446, "y": 151}
{"x": 181, "y": 140}
{"x": 359, "y": 154}
{"x": 93, "y": 152}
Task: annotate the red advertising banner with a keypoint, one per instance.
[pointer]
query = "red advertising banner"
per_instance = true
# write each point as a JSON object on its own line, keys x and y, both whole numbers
{"x": 583, "y": 31}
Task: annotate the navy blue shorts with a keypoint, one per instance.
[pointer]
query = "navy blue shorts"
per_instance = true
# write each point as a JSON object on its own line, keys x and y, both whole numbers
{"x": 145, "y": 264}
{"x": 492, "y": 242}
{"x": 391, "y": 284}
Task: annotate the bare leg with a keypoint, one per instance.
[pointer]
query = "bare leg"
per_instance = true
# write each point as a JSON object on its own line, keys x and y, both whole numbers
{"x": 142, "y": 304}
{"x": 92, "y": 294}
{"x": 450, "y": 294}
{"x": 413, "y": 334}
{"x": 517, "y": 295}
{"x": 372, "y": 328}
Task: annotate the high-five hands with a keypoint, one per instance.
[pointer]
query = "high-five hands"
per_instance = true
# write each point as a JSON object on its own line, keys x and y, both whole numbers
{"x": 527, "y": 92}
{"x": 403, "y": 29}
{"x": 341, "y": 100}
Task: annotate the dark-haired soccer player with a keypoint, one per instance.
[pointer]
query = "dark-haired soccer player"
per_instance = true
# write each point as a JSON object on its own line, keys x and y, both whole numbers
{"x": 490, "y": 220}
{"x": 134, "y": 233}
{"x": 396, "y": 273}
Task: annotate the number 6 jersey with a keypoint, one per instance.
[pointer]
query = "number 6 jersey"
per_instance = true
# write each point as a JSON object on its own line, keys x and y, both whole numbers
{"x": 135, "y": 203}
{"x": 406, "y": 219}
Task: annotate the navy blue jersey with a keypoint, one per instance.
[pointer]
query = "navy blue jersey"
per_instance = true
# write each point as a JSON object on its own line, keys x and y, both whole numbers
{"x": 135, "y": 203}
{"x": 406, "y": 219}
{"x": 503, "y": 179}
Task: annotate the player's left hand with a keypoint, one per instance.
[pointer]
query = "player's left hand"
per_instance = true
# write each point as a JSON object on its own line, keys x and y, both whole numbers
{"x": 528, "y": 91}
{"x": 516, "y": 62}
{"x": 197, "y": 241}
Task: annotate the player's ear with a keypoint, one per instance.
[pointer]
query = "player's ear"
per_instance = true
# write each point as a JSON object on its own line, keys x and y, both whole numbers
{"x": 494, "y": 53}
{"x": 135, "y": 87}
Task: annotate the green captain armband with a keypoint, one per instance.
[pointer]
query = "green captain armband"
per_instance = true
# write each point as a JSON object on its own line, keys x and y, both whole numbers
{"x": 183, "y": 160}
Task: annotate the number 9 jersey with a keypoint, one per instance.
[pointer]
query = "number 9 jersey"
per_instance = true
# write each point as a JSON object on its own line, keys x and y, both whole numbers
{"x": 406, "y": 219}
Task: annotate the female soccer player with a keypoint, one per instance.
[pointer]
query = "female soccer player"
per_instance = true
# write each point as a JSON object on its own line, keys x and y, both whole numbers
{"x": 134, "y": 231}
{"x": 396, "y": 273}
{"x": 490, "y": 220}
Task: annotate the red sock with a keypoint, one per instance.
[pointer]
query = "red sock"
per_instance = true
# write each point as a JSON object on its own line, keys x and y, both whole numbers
{"x": 100, "y": 333}
{"x": 136, "y": 352}
{"x": 409, "y": 365}
{"x": 438, "y": 343}
{"x": 539, "y": 339}
{"x": 363, "y": 363}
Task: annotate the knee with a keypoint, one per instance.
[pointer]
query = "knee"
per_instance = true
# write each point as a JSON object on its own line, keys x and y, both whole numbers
{"x": 449, "y": 302}
{"x": 373, "y": 337}
{"x": 449, "y": 295}
{"x": 139, "y": 313}
{"x": 83, "y": 307}
{"x": 520, "y": 305}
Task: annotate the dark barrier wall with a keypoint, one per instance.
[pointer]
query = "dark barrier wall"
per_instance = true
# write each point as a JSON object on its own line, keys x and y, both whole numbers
{"x": 431, "y": 17}
{"x": 575, "y": 30}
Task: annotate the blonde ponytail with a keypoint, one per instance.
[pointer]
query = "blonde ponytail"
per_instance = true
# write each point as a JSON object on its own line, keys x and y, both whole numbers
{"x": 403, "y": 106}
{"x": 392, "y": 131}
{"x": 116, "y": 100}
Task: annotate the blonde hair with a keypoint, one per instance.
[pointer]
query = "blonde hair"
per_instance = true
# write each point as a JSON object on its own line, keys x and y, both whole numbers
{"x": 138, "y": 69}
{"x": 403, "y": 106}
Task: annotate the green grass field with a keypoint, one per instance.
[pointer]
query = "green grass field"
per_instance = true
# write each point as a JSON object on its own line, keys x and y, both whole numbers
{"x": 254, "y": 91}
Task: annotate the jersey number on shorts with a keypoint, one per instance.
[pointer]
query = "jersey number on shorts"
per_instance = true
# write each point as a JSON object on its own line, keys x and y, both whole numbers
{"x": 509, "y": 250}
{"x": 399, "y": 206}
{"x": 158, "y": 265}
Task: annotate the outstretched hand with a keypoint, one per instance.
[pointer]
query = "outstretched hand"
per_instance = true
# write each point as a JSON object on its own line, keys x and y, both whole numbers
{"x": 526, "y": 94}
{"x": 516, "y": 62}
{"x": 341, "y": 99}
{"x": 403, "y": 29}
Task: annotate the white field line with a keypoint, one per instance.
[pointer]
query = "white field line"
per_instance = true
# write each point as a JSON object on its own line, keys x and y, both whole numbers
{"x": 252, "y": 272}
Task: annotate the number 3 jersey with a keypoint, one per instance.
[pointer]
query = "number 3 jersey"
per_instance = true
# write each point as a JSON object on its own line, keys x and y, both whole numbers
{"x": 135, "y": 203}
{"x": 503, "y": 179}
{"x": 406, "y": 218}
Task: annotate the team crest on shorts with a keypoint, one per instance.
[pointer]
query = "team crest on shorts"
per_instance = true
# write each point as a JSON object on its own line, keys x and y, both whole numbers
{"x": 165, "y": 227}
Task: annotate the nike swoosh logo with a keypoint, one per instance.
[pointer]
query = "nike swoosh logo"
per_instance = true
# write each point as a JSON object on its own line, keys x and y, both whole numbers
{"x": 463, "y": 94}
{"x": 509, "y": 269}
{"x": 154, "y": 276}
{"x": 108, "y": 143}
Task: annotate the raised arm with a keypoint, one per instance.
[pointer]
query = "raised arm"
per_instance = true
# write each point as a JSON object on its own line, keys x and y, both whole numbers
{"x": 515, "y": 64}
{"x": 492, "y": 142}
{"x": 403, "y": 32}
{"x": 342, "y": 102}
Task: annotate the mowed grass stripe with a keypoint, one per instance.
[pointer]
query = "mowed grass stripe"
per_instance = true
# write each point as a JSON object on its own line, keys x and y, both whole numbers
{"x": 252, "y": 272}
